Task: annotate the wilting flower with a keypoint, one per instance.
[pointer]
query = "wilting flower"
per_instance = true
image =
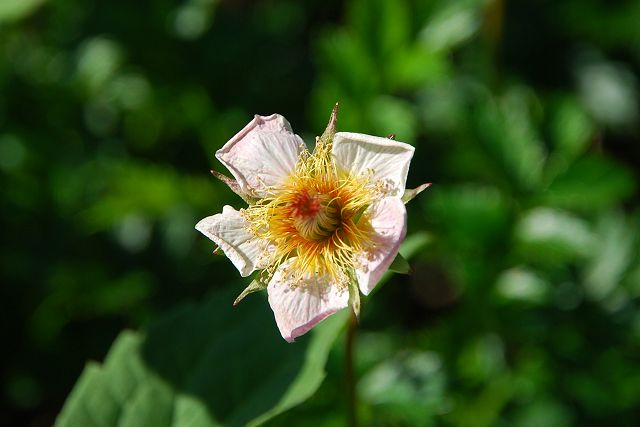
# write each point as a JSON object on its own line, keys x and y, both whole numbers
{"x": 319, "y": 225}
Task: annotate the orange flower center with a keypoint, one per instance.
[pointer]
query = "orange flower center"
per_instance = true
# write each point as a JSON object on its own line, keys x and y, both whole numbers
{"x": 315, "y": 215}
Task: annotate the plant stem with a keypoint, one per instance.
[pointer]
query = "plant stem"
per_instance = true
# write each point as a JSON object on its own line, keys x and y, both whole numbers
{"x": 352, "y": 419}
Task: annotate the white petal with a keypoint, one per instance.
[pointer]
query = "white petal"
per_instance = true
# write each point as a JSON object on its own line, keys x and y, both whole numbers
{"x": 389, "y": 220}
{"x": 298, "y": 309}
{"x": 228, "y": 230}
{"x": 388, "y": 159}
{"x": 262, "y": 154}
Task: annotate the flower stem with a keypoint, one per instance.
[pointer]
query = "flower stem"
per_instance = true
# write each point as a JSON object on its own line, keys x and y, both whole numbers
{"x": 352, "y": 419}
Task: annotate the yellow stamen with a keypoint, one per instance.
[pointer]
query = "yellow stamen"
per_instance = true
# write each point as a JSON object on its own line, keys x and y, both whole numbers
{"x": 319, "y": 216}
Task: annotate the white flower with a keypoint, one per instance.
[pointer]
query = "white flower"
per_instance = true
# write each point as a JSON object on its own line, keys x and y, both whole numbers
{"x": 318, "y": 225}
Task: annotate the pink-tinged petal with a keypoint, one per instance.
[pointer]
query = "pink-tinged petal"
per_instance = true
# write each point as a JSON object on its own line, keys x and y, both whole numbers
{"x": 298, "y": 309}
{"x": 263, "y": 154}
{"x": 389, "y": 220}
{"x": 228, "y": 230}
{"x": 386, "y": 158}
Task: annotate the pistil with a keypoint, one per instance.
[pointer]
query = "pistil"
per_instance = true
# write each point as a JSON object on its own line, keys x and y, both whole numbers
{"x": 316, "y": 216}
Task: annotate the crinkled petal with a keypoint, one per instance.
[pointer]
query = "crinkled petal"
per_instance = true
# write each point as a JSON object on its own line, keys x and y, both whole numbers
{"x": 228, "y": 230}
{"x": 389, "y": 221}
{"x": 388, "y": 159}
{"x": 263, "y": 154}
{"x": 298, "y": 309}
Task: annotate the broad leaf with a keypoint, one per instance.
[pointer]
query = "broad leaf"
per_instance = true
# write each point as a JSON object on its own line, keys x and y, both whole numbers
{"x": 202, "y": 365}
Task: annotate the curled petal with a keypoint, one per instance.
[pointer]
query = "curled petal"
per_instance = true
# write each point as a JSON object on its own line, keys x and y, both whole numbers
{"x": 228, "y": 230}
{"x": 389, "y": 221}
{"x": 298, "y": 309}
{"x": 387, "y": 159}
{"x": 263, "y": 154}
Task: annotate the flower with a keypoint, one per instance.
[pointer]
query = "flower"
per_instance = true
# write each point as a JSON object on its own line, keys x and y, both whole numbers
{"x": 319, "y": 225}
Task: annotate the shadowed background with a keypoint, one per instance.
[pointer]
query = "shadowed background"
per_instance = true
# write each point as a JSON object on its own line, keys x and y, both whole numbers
{"x": 523, "y": 307}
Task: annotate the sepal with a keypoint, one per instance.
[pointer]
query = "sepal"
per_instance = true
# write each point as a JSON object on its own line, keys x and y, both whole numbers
{"x": 354, "y": 295}
{"x": 410, "y": 193}
{"x": 256, "y": 285}
{"x": 400, "y": 265}
{"x": 234, "y": 186}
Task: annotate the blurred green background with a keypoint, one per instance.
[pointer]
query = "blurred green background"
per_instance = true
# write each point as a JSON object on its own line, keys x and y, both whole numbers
{"x": 524, "y": 306}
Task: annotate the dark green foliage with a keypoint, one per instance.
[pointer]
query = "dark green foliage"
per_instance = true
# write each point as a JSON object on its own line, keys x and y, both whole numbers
{"x": 184, "y": 370}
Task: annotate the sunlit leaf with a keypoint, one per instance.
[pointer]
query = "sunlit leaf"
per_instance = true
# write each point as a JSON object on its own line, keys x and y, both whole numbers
{"x": 13, "y": 10}
{"x": 451, "y": 26}
{"x": 554, "y": 235}
{"x": 612, "y": 256}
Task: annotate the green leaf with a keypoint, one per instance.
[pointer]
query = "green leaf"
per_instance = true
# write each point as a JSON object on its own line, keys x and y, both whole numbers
{"x": 202, "y": 365}
{"x": 14, "y": 10}
{"x": 390, "y": 115}
{"x": 382, "y": 26}
{"x": 554, "y": 236}
{"x": 451, "y": 26}
{"x": 614, "y": 253}
{"x": 400, "y": 265}
{"x": 506, "y": 129}
{"x": 470, "y": 216}
{"x": 591, "y": 183}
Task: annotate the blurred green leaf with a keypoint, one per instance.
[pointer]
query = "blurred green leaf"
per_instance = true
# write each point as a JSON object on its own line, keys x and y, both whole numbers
{"x": 571, "y": 129}
{"x": 455, "y": 23}
{"x": 612, "y": 256}
{"x": 506, "y": 128}
{"x": 609, "y": 90}
{"x": 14, "y": 10}
{"x": 406, "y": 388}
{"x": 554, "y": 236}
{"x": 416, "y": 67}
{"x": 381, "y": 25}
{"x": 393, "y": 116}
{"x": 482, "y": 359}
{"x": 179, "y": 372}
{"x": 350, "y": 65}
{"x": 591, "y": 183}
{"x": 521, "y": 284}
{"x": 471, "y": 216}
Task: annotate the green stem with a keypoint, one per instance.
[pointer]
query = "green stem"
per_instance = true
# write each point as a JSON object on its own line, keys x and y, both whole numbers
{"x": 352, "y": 418}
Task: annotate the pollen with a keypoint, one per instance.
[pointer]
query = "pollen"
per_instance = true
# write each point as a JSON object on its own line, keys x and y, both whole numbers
{"x": 319, "y": 217}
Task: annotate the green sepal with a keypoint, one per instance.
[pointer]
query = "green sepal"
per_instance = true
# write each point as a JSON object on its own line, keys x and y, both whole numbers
{"x": 354, "y": 294}
{"x": 413, "y": 192}
{"x": 400, "y": 265}
{"x": 330, "y": 131}
{"x": 257, "y": 284}
{"x": 235, "y": 187}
